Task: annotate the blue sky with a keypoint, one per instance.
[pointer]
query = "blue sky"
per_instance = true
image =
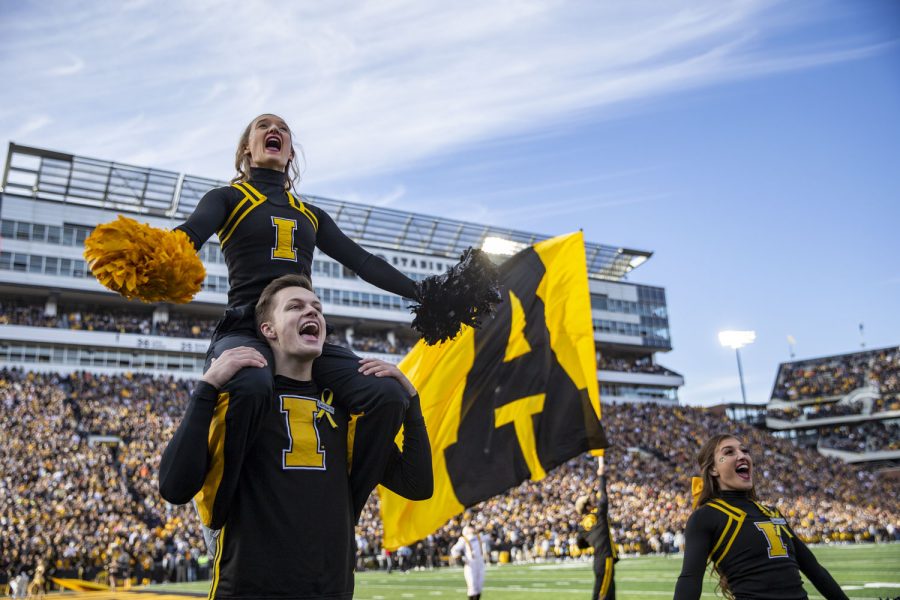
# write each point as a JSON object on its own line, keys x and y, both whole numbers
{"x": 753, "y": 146}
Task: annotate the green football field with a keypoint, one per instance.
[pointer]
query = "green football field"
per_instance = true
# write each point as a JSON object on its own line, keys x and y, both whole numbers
{"x": 864, "y": 571}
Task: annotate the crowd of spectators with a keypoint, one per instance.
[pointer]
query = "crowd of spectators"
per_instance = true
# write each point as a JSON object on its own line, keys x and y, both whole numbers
{"x": 369, "y": 343}
{"x": 886, "y": 371}
{"x": 82, "y": 504}
{"x": 817, "y": 411}
{"x": 886, "y": 403}
{"x": 873, "y": 436}
{"x": 372, "y": 343}
{"x": 839, "y": 375}
{"x": 119, "y": 320}
{"x": 649, "y": 468}
{"x": 630, "y": 365}
{"x": 124, "y": 321}
{"x": 87, "y": 505}
{"x": 113, "y": 320}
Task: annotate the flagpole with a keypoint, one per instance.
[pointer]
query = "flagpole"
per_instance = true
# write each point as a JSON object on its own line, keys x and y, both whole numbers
{"x": 737, "y": 352}
{"x": 737, "y": 340}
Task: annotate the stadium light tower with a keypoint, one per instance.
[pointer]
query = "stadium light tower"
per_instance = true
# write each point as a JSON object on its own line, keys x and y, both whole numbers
{"x": 737, "y": 340}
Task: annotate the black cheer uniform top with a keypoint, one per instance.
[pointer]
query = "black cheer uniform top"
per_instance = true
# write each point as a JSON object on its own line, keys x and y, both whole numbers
{"x": 287, "y": 527}
{"x": 266, "y": 232}
{"x": 753, "y": 546}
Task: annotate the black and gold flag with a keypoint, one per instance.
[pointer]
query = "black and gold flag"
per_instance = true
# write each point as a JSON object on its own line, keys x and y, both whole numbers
{"x": 511, "y": 400}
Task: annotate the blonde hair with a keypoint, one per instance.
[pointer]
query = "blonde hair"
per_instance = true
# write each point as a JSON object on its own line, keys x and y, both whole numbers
{"x": 242, "y": 158}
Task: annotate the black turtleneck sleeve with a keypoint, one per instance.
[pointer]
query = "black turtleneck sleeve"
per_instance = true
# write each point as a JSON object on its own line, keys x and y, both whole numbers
{"x": 209, "y": 215}
{"x": 816, "y": 573}
{"x": 184, "y": 462}
{"x": 698, "y": 540}
{"x": 335, "y": 243}
{"x": 409, "y": 471}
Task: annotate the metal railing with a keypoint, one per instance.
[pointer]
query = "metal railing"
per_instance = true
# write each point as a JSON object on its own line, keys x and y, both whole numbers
{"x": 54, "y": 176}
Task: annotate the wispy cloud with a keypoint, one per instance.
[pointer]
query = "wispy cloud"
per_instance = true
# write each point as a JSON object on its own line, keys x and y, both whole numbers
{"x": 383, "y": 200}
{"x": 369, "y": 87}
{"x": 71, "y": 67}
{"x": 533, "y": 215}
{"x": 32, "y": 124}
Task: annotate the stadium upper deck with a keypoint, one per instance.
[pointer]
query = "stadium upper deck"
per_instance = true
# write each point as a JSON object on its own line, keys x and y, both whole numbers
{"x": 848, "y": 405}
{"x": 50, "y": 201}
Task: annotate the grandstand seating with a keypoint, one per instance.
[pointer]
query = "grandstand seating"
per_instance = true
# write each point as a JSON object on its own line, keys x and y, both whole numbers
{"x": 79, "y": 456}
{"x": 90, "y": 318}
{"x": 836, "y": 376}
{"x": 848, "y": 406}
{"x": 631, "y": 365}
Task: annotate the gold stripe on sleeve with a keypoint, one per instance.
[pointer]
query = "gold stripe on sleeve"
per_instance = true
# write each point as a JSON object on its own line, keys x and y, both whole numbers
{"x": 226, "y": 231}
{"x": 351, "y": 438}
{"x": 206, "y": 497}
{"x": 236, "y": 210}
{"x": 217, "y": 564}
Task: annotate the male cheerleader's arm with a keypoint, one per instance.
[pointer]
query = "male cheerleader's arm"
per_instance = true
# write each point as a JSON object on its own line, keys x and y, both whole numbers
{"x": 409, "y": 472}
{"x": 372, "y": 269}
{"x": 184, "y": 461}
{"x": 816, "y": 573}
{"x": 184, "y": 464}
{"x": 208, "y": 216}
{"x": 697, "y": 544}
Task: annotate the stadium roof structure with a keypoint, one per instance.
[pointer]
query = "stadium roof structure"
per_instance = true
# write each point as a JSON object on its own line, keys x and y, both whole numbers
{"x": 58, "y": 177}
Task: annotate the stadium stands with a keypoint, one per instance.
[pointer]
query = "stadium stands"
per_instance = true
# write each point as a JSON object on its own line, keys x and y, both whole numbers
{"x": 838, "y": 375}
{"x": 79, "y": 456}
{"x": 116, "y": 319}
{"x": 89, "y": 318}
{"x": 650, "y": 466}
{"x": 874, "y": 436}
{"x": 848, "y": 406}
{"x": 630, "y": 365}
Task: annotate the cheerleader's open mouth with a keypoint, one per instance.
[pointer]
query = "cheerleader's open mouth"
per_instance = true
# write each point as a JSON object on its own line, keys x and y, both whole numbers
{"x": 743, "y": 471}
{"x": 273, "y": 142}
{"x": 310, "y": 331}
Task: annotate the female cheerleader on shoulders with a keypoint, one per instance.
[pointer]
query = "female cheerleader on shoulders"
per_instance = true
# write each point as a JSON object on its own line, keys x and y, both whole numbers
{"x": 266, "y": 231}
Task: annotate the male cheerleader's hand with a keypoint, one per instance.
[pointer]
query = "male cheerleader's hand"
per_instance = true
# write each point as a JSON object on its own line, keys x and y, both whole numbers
{"x": 380, "y": 368}
{"x": 230, "y": 362}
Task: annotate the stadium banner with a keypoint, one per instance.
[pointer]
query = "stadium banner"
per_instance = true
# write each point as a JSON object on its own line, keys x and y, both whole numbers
{"x": 511, "y": 400}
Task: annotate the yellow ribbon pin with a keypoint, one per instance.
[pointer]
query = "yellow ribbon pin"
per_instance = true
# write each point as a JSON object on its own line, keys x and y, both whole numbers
{"x": 325, "y": 407}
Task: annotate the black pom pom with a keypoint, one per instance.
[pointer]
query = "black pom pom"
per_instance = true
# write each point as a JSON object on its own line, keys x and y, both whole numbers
{"x": 464, "y": 295}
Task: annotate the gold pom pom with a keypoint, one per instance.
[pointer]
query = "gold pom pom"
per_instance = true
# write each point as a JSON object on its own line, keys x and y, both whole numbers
{"x": 143, "y": 262}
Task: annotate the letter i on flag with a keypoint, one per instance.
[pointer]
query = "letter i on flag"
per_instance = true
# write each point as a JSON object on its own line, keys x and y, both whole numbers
{"x": 511, "y": 400}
